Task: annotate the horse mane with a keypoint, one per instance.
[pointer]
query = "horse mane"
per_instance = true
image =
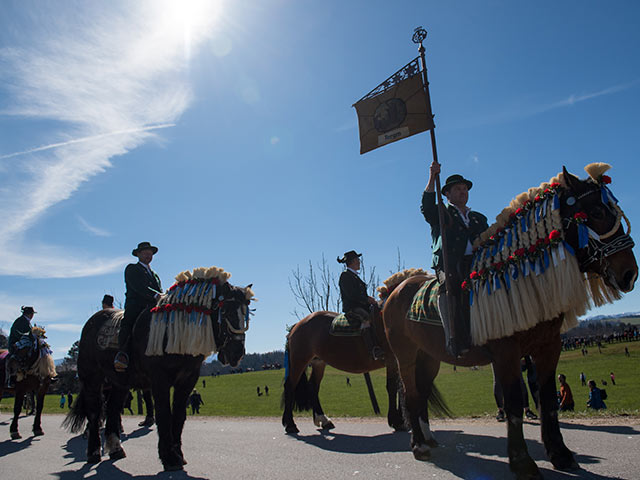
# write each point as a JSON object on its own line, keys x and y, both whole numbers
{"x": 397, "y": 278}
{"x": 527, "y": 243}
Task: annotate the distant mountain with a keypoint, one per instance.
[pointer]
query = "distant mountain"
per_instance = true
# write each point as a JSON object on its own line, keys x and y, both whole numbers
{"x": 611, "y": 317}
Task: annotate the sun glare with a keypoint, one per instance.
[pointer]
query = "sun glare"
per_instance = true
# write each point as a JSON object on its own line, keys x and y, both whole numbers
{"x": 188, "y": 19}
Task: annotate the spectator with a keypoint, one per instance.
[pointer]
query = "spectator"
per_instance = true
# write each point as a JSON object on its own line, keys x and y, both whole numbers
{"x": 626, "y": 352}
{"x": 595, "y": 397}
{"x": 62, "y": 400}
{"x": 107, "y": 302}
{"x": 583, "y": 379}
{"x": 266, "y": 390}
{"x": 348, "y": 382}
{"x": 498, "y": 393}
{"x": 258, "y": 391}
{"x": 613, "y": 378}
{"x": 196, "y": 401}
{"x": 69, "y": 399}
{"x": 566, "y": 397}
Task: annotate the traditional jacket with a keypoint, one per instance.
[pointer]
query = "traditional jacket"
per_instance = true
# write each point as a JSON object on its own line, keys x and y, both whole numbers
{"x": 353, "y": 292}
{"x": 457, "y": 234}
{"x": 20, "y": 326}
{"x": 138, "y": 282}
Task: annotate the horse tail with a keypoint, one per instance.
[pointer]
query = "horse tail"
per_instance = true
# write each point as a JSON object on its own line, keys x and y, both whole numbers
{"x": 74, "y": 421}
{"x": 303, "y": 395}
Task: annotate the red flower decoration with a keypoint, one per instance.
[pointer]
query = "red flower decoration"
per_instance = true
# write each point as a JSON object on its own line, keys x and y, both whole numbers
{"x": 520, "y": 252}
{"x": 519, "y": 211}
{"x": 465, "y": 285}
{"x": 498, "y": 266}
{"x": 474, "y": 275}
{"x": 532, "y": 249}
{"x": 555, "y": 235}
{"x": 554, "y": 185}
{"x": 606, "y": 179}
{"x": 580, "y": 217}
{"x": 538, "y": 199}
{"x": 482, "y": 272}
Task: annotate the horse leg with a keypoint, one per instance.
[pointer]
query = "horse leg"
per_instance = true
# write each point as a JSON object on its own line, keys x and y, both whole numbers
{"x": 394, "y": 414}
{"x": 181, "y": 392}
{"x": 427, "y": 369}
{"x": 149, "y": 419}
{"x": 508, "y": 372}
{"x": 17, "y": 408}
{"x": 297, "y": 369}
{"x": 40, "y": 394}
{"x": 171, "y": 461}
{"x": 319, "y": 418}
{"x": 558, "y": 453}
{"x": 114, "y": 421}
{"x": 413, "y": 401}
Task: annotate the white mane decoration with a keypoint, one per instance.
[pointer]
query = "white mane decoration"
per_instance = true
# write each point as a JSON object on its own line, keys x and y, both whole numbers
{"x": 524, "y": 273}
{"x": 184, "y": 314}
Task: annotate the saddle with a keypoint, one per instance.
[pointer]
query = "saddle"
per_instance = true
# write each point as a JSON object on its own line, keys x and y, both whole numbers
{"x": 424, "y": 306}
{"x": 343, "y": 326}
{"x": 107, "y": 338}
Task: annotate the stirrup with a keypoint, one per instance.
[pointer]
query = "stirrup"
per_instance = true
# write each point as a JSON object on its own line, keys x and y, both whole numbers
{"x": 121, "y": 362}
{"x": 377, "y": 353}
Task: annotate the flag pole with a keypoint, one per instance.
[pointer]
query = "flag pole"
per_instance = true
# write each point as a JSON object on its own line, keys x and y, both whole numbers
{"x": 419, "y": 35}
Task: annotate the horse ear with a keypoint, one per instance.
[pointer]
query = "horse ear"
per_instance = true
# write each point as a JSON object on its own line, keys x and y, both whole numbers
{"x": 572, "y": 181}
{"x": 249, "y": 286}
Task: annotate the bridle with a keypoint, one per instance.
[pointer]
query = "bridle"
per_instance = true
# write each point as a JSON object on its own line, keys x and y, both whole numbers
{"x": 597, "y": 249}
{"x": 233, "y": 334}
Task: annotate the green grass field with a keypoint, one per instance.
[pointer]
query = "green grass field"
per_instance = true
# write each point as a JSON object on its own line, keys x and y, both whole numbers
{"x": 468, "y": 392}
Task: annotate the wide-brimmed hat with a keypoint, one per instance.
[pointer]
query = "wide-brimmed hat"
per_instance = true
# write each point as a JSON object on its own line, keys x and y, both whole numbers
{"x": 453, "y": 179}
{"x": 144, "y": 246}
{"x": 348, "y": 256}
{"x": 28, "y": 310}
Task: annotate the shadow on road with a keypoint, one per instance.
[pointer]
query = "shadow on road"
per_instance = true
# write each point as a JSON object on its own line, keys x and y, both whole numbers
{"x": 338, "y": 442}
{"x": 614, "y": 429}
{"x": 108, "y": 469}
{"x": 12, "y": 446}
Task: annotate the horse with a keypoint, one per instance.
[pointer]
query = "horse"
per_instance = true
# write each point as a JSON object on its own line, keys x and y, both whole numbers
{"x": 37, "y": 378}
{"x": 594, "y": 264}
{"x": 310, "y": 341}
{"x": 201, "y": 314}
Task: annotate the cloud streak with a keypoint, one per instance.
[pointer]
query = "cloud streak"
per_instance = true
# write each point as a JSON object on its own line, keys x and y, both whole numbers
{"x": 102, "y": 88}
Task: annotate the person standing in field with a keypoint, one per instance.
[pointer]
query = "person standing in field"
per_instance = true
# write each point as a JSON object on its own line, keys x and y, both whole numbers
{"x": 595, "y": 397}
{"x": 566, "y": 397}
{"x": 583, "y": 378}
{"x": 613, "y": 378}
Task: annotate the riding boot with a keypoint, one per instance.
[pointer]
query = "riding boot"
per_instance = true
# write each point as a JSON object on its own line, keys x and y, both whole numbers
{"x": 368, "y": 335}
{"x": 450, "y": 339}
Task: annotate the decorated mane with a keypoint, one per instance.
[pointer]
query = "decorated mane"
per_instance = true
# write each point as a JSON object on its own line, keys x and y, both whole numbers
{"x": 524, "y": 272}
{"x": 396, "y": 279}
{"x": 184, "y": 315}
{"x": 44, "y": 366}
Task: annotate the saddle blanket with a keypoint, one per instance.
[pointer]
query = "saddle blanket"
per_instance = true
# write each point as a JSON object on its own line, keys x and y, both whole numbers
{"x": 341, "y": 326}
{"x": 107, "y": 337}
{"x": 424, "y": 307}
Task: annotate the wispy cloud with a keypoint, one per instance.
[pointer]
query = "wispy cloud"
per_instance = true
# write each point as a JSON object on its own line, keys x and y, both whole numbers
{"x": 65, "y": 327}
{"x": 98, "y": 232}
{"x": 106, "y": 85}
{"x": 526, "y": 110}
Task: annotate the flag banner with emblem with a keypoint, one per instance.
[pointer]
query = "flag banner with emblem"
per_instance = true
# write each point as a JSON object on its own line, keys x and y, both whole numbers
{"x": 395, "y": 109}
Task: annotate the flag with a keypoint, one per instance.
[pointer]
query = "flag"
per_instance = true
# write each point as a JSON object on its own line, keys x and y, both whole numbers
{"x": 395, "y": 109}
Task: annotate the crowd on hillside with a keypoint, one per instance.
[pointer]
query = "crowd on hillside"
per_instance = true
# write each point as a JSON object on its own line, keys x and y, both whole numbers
{"x": 629, "y": 334}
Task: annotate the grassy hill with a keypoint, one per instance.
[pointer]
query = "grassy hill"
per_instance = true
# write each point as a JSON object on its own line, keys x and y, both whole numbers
{"x": 468, "y": 392}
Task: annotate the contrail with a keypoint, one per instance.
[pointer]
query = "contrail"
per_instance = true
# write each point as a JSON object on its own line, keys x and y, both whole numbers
{"x": 87, "y": 139}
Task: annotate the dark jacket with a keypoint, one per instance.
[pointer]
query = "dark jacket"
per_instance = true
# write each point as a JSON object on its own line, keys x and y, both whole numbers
{"x": 353, "y": 292}
{"x": 457, "y": 234}
{"x": 138, "y": 283}
{"x": 20, "y": 326}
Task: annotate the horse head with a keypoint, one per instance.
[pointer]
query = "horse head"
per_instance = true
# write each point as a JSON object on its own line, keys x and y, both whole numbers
{"x": 233, "y": 322}
{"x": 593, "y": 226}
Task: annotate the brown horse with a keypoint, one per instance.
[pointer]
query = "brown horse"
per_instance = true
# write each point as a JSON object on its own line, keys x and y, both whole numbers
{"x": 606, "y": 258}
{"x": 37, "y": 379}
{"x": 309, "y": 341}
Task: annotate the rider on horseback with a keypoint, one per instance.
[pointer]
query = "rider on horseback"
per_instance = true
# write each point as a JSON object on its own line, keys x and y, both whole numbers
{"x": 463, "y": 227}
{"x": 21, "y": 329}
{"x": 356, "y": 304}
{"x": 143, "y": 290}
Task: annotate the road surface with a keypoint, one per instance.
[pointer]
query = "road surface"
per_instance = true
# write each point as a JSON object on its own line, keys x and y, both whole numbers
{"x": 257, "y": 448}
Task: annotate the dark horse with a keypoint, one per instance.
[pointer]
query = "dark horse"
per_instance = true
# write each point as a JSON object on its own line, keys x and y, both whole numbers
{"x": 230, "y": 316}
{"x": 604, "y": 255}
{"x": 37, "y": 379}
{"x": 309, "y": 341}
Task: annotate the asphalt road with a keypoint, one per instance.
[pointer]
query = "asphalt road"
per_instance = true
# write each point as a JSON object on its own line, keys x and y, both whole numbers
{"x": 257, "y": 448}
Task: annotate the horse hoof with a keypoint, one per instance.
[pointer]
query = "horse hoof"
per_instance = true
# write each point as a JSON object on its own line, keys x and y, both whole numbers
{"x": 173, "y": 468}
{"x": 38, "y": 432}
{"x": 117, "y": 455}
{"x": 328, "y": 426}
{"x": 432, "y": 442}
{"x": 15, "y": 435}
{"x": 421, "y": 452}
{"x": 95, "y": 458}
{"x": 566, "y": 466}
{"x": 290, "y": 429}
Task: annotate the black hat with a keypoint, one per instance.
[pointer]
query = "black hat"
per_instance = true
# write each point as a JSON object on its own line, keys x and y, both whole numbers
{"x": 452, "y": 180}
{"x": 144, "y": 246}
{"x": 28, "y": 310}
{"x": 108, "y": 299}
{"x": 348, "y": 256}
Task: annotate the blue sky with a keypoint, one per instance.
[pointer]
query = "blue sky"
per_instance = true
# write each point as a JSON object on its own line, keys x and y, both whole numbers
{"x": 223, "y": 132}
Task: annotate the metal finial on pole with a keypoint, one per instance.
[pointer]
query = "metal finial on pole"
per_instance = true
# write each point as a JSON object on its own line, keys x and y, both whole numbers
{"x": 419, "y": 34}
